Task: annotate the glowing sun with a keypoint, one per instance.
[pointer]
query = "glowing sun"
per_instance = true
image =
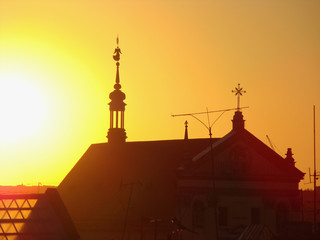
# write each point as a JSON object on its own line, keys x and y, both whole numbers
{"x": 22, "y": 108}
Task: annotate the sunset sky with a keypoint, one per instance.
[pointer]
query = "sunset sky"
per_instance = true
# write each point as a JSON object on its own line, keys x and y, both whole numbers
{"x": 179, "y": 56}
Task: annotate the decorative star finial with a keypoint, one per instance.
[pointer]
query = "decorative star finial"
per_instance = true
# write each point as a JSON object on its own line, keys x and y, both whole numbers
{"x": 238, "y": 92}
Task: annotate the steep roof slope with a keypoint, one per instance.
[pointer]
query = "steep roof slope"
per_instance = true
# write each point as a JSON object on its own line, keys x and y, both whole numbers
{"x": 98, "y": 188}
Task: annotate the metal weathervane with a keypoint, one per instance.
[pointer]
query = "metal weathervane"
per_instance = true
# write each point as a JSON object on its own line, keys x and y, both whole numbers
{"x": 238, "y": 92}
{"x": 117, "y": 52}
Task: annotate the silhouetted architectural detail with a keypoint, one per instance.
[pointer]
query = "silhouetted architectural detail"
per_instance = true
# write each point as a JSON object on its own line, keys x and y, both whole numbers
{"x": 186, "y": 130}
{"x": 174, "y": 197}
{"x": 238, "y": 92}
{"x": 35, "y": 217}
{"x": 289, "y": 157}
{"x": 254, "y": 185}
{"x": 117, "y": 133}
{"x": 238, "y": 121}
{"x": 96, "y": 193}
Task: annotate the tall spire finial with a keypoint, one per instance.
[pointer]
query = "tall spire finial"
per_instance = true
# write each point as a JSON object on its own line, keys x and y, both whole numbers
{"x": 117, "y": 132}
{"x": 116, "y": 57}
{"x": 238, "y": 92}
{"x": 186, "y": 130}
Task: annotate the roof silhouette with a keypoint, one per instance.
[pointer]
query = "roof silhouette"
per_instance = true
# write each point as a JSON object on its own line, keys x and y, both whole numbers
{"x": 98, "y": 186}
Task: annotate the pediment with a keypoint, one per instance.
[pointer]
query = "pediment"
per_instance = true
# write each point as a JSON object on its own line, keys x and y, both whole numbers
{"x": 240, "y": 155}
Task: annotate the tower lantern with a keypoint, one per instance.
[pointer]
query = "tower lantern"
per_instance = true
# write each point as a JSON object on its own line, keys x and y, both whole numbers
{"x": 116, "y": 131}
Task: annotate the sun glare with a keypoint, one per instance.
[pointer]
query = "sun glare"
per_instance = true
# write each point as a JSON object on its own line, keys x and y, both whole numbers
{"x": 22, "y": 108}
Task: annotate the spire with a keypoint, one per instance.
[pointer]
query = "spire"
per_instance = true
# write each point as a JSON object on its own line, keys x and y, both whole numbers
{"x": 116, "y": 57}
{"x": 117, "y": 132}
{"x": 238, "y": 122}
{"x": 186, "y": 130}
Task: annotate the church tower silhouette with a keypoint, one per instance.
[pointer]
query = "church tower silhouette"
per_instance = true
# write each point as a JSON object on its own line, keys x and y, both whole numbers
{"x": 117, "y": 133}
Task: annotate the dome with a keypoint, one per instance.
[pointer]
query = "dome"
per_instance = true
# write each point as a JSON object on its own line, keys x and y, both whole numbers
{"x": 117, "y": 95}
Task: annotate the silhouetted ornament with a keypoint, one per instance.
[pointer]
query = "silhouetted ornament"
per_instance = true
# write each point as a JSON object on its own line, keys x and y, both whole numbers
{"x": 289, "y": 157}
{"x": 117, "y": 52}
{"x": 117, "y": 86}
{"x": 238, "y": 122}
{"x": 186, "y": 130}
{"x": 238, "y": 92}
{"x": 117, "y": 133}
{"x": 117, "y": 97}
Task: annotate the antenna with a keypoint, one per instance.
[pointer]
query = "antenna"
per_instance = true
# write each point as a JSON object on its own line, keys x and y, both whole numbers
{"x": 309, "y": 176}
{"x": 131, "y": 185}
{"x": 208, "y": 126}
{"x": 271, "y": 145}
{"x": 314, "y": 172}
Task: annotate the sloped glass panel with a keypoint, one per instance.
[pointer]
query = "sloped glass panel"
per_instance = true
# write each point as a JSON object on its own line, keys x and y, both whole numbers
{"x": 10, "y": 237}
{"x": 13, "y": 213}
{"x": 25, "y": 213}
{"x": 13, "y": 204}
{"x": 4, "y": 214}
{"x": 25, "y": 204}
{"x": 19, "y": 226}
{"x": 7, "y": 203}
{"x": 32, "y": 202}
{"x": 1, "y": 204}
{"x": 20, "y": 202}
{"x": 8, "y": 228}
{"x": 19, "y": 215}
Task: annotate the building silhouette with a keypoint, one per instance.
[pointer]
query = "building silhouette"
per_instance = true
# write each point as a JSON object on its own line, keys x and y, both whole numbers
{"x": 35, "y": 217}
{"x": 164, "y": 189}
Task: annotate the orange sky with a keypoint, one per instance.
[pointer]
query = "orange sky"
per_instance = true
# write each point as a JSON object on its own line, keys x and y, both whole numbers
{"x": 56, "y": 72}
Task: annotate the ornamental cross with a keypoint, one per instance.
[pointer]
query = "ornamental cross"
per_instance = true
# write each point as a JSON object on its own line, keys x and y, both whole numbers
{"x": 238, "y": 92}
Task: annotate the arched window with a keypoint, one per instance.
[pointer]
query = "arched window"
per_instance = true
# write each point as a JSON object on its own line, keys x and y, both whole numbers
{"x": 198, "y": 214}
